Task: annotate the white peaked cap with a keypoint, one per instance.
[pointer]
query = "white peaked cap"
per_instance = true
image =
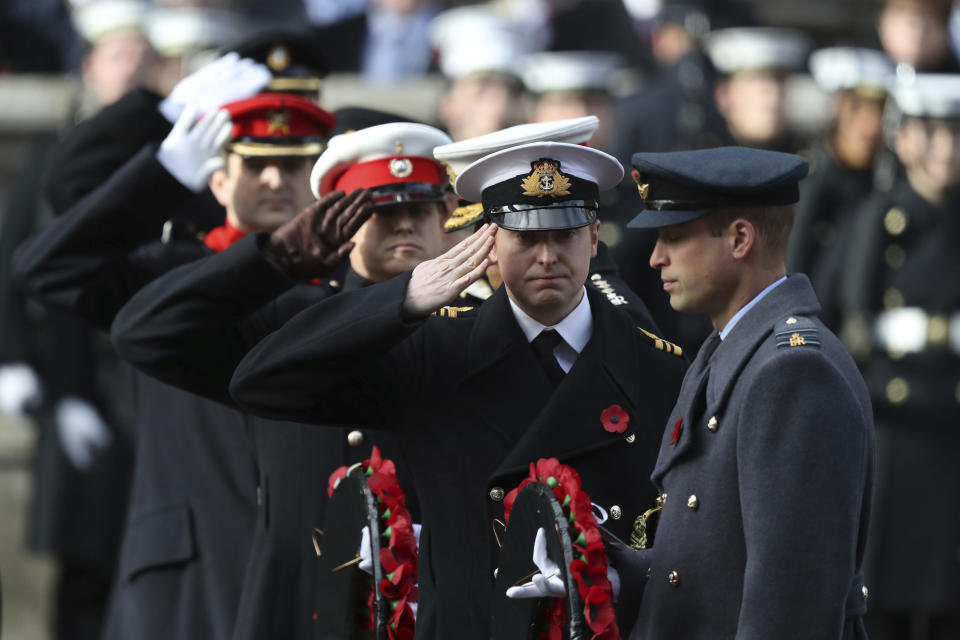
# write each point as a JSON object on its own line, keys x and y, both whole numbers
{"x": 757, "y": 48}
{"x": 460, "y": 154}
{"x": 846, "y": 68}
{"x": 929, "y": 95}
{"x": 96, "y": 19}
{"x": 407, "y": 139}
{"x": 554, "y": 71}
{"x": 583, "y": 162}
{"x": 477, "y": 38}
{"x": 177, "y": 31}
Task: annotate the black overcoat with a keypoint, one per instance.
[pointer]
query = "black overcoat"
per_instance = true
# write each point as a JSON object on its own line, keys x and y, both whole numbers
{"x": 471, "y": 408}
{"x": 221, "y": 508}
{"x": 899, "y": 260}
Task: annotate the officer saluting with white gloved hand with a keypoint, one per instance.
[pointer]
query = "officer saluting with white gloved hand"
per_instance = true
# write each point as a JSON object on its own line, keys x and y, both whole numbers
{"x": 197, "y": 498}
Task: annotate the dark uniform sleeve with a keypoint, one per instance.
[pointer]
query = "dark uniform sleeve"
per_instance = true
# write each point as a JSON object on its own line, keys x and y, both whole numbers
{"x": 86, "y": 261}
{"x": 802, "y": 457}
{"x": 192, "y": 326}
{"x": 97, "y": 147}
{"x": 344, "y": 361}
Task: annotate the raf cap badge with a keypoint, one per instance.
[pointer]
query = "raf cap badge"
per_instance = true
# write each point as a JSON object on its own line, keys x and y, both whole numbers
{"x": 642, "y": 187}
{"x": 546, "y": 180}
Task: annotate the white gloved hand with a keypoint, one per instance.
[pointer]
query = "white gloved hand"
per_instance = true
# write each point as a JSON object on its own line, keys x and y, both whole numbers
{"x": 82, "y": 431}
{"x": 545, "y": 584}
{"x": 191, "y": 151}
{"x": 224, "y": 80}
{"x": 19, "y": 389}
{"x": 366, "y": 560}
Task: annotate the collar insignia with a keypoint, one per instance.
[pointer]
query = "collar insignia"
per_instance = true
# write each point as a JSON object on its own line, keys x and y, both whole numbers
{"x": 278, "y": 121}
{"x": 546, "y": 180}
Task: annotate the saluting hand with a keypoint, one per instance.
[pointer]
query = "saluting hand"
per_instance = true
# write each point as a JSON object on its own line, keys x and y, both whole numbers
{"x": 316, "y": 240}
{"x": 437, "y": 282}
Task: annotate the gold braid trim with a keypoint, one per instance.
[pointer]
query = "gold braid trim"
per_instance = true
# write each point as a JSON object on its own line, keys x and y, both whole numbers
{"x": 463, "y": 216}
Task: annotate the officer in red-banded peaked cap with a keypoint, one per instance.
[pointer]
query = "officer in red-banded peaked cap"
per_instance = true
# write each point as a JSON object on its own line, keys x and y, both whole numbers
{"x": 407, "y": 187}
{"x": 273, "y": 143}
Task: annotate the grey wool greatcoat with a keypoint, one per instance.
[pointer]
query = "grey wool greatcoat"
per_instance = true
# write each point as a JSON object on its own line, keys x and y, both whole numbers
{"x": 767, "y": 485}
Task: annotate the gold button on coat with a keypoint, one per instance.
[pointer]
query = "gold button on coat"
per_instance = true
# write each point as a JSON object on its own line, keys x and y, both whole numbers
{"x": 674, "y": 578}
{"x": 616, "y": 512}
{"x": 865, "y": 593}
{"x": 630, "y": 438}
{"x": 693, "y": 503}
{"x": 712, "y": 423}
{"x": 496, "y": 494}
{"x": 355, "y": 438}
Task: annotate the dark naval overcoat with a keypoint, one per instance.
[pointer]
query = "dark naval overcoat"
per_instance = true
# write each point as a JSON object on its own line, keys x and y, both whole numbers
{"x": 471, "y": 408}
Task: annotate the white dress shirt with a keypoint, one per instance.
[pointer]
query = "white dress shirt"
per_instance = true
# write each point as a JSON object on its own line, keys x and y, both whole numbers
{"x": 575, "y": 330}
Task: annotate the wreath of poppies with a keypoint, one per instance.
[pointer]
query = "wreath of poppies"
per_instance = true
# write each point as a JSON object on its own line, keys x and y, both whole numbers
{"x": 589, "y": 569}
{"x": 398, "y": 557}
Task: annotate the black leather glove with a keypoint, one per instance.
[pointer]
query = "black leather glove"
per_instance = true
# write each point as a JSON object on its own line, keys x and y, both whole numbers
{"x": 317, "y": 239}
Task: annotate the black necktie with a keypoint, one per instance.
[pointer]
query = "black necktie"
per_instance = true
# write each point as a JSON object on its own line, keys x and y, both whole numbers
{"x": 543, "y": 345}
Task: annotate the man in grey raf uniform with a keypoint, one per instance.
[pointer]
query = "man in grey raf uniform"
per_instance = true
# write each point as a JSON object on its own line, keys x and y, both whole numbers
{"x": 765, "y": 467}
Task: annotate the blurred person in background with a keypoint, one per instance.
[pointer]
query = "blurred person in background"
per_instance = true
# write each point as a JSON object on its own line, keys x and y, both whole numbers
{"x": 754, "y": 63}
{"x": 914, "y": 34}
{"x": 186, "y": 568}
{"x": 89, "y": 153}
{"x": 675, "y": 110}
{"x": 899, "y": 301}
{"x": 573, "y": 84}
{"x": 851, "y": 160}
{"x": 387, "y": 42}
{"x": 66, "y": 375}
{"x": 36, "y": 36}
{"x": 478, "y": 49}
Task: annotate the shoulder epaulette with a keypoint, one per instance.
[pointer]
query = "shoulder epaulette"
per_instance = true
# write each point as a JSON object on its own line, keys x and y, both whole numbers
{"x": 604, "y": 287}
{"x": 451, "y": 312}
{"x": 662, "y": 345}
{"x": 796, "y": 331}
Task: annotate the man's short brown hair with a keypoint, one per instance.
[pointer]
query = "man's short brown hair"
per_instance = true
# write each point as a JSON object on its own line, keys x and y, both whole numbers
{"x": 773, "y": 224}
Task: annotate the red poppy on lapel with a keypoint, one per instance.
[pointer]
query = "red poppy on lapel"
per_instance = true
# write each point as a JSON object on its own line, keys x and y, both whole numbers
{"x": 615, "y": 419}
{"x": 677, "y": 428}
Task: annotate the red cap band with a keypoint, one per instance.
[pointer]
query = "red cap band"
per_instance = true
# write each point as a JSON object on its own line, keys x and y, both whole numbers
{"x": 387, "y": 170}
{"x": 278, "y": 115}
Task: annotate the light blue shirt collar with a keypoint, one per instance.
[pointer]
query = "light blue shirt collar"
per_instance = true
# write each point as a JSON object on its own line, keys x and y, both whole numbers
{"x": 743, "y": 310}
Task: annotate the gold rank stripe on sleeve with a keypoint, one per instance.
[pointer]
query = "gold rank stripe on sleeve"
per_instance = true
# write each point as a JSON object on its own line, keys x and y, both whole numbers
{"x": 451, "y": 312}
{"x": 662, "y": 345}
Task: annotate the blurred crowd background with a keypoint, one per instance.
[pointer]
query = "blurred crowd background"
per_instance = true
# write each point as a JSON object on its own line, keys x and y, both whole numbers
{"x": 813, "y": 77}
